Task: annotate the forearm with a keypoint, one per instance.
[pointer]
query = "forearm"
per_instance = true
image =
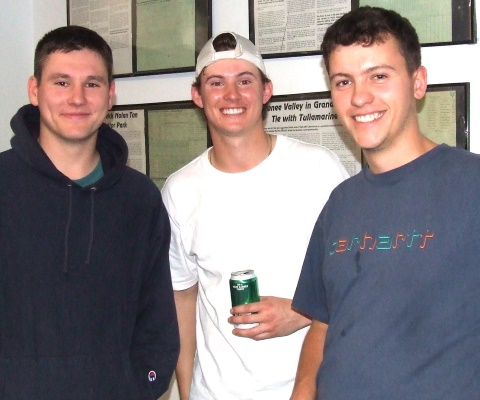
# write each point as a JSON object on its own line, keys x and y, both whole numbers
{"x": 299, "y": 320}
{"x": 184, "y": 370}
{"x": 185, "y": 302}
{"x": 311, "y": 357}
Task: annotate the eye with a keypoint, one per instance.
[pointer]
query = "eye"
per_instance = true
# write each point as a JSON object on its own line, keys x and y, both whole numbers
{"x": 379, "y": 77}
{"x": 215, "y": 83}
{"x": 341, "y": 83}
{"x": 61, "y": 83}
{"x": 245, "y": 82}
{"x": 92, "y": 85}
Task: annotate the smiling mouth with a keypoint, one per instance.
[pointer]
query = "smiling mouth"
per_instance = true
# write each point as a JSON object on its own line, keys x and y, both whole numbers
{"x": 76, "y": 115}
{"x": 368, "y": 117}
{"x": 233, "y": 111}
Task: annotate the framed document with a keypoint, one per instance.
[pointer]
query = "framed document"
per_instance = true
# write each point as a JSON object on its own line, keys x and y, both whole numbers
{"x": 147, "y": 36}
{"x": 294, "y": 28}
{"x": 161, "y": 137}
{"x": 439, "y": 22}
{"x": 310, "y": 117}
{"x": 291, "y": 27}
{"x": 443, "y": 114}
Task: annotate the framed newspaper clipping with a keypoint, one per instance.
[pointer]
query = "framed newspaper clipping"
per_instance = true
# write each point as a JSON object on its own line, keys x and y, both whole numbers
{"x": 147, "y": 36}
{"x": 161, "y": 137}
{"x": 284, "y": 28}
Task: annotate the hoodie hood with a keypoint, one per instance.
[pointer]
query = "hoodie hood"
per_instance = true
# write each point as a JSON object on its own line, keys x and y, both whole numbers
{"x": 113, "y": 152}
{"x": 111, "y": 146}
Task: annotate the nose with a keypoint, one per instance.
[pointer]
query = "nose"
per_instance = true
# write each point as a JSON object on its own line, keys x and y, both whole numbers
{"x": 232, "y": 91}
{"x": 77, "y": 95}
{"x": 361, "y": 94}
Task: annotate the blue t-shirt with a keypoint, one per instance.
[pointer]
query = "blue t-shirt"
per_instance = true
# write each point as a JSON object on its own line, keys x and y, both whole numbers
{"x": 393, "y": 266}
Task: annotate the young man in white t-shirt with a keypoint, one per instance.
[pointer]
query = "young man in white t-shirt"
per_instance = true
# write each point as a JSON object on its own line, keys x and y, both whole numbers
{"x": 248, "y": 202}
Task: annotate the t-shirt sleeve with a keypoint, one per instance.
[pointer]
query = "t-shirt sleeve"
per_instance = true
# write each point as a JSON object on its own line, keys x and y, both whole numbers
{"x": 183, "y": 268}
{"x": 310, "y": 296}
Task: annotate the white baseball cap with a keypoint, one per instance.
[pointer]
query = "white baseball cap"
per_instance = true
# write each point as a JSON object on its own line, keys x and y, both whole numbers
{"x": 244, "y": 50}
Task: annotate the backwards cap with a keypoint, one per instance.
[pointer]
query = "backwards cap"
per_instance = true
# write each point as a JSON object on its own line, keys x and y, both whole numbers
{"x": 244, "y": 50}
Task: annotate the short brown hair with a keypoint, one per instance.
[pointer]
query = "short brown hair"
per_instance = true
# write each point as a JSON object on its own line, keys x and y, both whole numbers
{"x": 71, "y": 38}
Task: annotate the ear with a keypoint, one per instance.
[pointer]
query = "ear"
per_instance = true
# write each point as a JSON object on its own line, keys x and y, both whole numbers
{"x": 420, "y": 82}
{"x": 32, "y": 89}
{"x": 196, "y": 96}
{"x": 111, "y": 94}
{"x": 267, "y": 91}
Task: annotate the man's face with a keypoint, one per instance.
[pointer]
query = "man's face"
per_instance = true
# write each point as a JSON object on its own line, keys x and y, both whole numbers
{"x": 375, "y": 95}
{"x": 232, "y": 95}
{"x": 73, "y": 96}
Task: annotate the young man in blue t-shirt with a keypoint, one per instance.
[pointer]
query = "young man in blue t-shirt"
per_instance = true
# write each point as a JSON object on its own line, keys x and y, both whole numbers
{"x": 391, "y": 273}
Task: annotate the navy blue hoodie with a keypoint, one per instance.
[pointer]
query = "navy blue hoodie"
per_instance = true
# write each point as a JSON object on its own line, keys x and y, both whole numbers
{"x": 86, "y": 302}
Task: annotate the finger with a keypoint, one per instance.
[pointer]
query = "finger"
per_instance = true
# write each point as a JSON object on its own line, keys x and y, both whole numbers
{"x": 248, "y": 332}
{"x": 252, "y": 333}
{"x": 245, "y": 319}
{"x": 245, "y": 310}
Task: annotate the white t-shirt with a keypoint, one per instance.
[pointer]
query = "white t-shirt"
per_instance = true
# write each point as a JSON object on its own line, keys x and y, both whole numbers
{"x": 260, "y": 219}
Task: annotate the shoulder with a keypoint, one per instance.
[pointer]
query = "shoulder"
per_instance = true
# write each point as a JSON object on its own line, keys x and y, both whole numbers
{"x": 8, "y": 171}
{"x": 183, "y": 189}
{"x": 298, "y": 148}
{"x": 460, "y": 155}
{"x": 451, "y": 163}
{"x": 139, "y": 186}
{"x": 186, "y": 176}
{"x": 310, "y": 157}
{"x": 298, "y": 145}
{"x": 9, "y": 163}
{"x": 6, "y": 156}
{"x": 459, "y": 168}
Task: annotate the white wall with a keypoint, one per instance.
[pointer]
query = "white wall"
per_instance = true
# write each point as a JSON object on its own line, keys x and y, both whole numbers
{"x": 24, "y": 22}
{"x": 16, "y": 41}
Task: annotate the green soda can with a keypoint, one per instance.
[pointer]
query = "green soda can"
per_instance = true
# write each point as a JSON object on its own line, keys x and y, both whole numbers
{"x": 244, "y": 290}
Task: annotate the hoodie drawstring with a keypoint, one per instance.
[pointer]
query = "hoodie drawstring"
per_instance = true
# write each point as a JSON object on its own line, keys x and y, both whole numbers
{"x": 92, "y": 214}
{"x": 67, "y": 229}
{"x": 69, "y": 221}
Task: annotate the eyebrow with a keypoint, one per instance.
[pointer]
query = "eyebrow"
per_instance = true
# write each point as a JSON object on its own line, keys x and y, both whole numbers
{"x": 366, "y": 71}
{"x": 239, "y": 75}
{"x": 98, "y": 78}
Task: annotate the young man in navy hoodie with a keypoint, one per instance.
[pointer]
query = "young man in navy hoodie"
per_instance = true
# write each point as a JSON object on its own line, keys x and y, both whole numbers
{"x": 86, "y": 302}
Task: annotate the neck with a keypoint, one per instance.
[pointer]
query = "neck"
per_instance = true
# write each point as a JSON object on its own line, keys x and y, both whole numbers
{"x": 239, "y": 154}
{"x": 73, "y": 159}
{"x": 380, "y": 161}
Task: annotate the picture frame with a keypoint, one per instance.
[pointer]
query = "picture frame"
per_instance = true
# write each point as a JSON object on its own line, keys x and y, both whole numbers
{"x": 161, "y": 137}
{"x": 140, "y": 44}
{"x": 291, "y": 28}
{"x": 447, "y": 22}
{"x": 444, "y": 115}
